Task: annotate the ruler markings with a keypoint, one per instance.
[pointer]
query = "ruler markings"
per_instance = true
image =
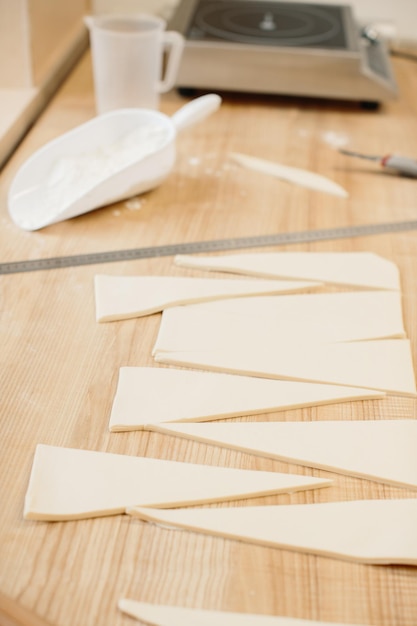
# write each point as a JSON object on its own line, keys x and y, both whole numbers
{"x": 216, "y": 245}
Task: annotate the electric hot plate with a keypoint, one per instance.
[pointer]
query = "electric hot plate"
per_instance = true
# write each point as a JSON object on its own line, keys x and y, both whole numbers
{"x": 281, "y": 48}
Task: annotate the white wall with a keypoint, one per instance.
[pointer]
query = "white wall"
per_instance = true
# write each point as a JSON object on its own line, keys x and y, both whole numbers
{"x": 163, "y": 8}
{"x": 398, "y": 18}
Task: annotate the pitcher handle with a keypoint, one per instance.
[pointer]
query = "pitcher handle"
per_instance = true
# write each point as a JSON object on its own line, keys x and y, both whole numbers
{"x": 173, "y": 43}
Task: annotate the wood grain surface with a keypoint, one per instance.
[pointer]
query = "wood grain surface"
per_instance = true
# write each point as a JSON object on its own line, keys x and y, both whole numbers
{"x": 59, "y": 367}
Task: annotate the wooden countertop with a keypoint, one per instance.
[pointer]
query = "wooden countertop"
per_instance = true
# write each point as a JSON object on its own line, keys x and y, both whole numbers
{"x": 59, "y": 367}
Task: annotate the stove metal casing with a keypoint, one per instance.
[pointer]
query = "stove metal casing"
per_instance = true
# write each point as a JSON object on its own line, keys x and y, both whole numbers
{"x": 359, "y": 70}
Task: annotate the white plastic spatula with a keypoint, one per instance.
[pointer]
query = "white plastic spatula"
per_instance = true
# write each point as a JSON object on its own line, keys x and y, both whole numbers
{"x": 97, "y": 163}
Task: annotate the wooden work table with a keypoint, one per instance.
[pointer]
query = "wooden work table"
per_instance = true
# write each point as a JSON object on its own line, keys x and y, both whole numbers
{"x": 59, "y": 367}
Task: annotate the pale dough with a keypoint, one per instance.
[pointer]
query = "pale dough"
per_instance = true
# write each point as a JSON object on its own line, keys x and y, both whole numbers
{"x": 303, "y": 178}
{"x": 351, "y": 311}
{"x": 380, "y": 450}
{"x": 366, "y": 531}
{"x": 124, "y": 297}
{"x": 164, "y": 615}
{"x": 357, "y": 269}
{"x": 336, "y": 317}
{"x": 384, "y": 365}
{"x": 148, "y": 395}
{"x": 68, "y": 483}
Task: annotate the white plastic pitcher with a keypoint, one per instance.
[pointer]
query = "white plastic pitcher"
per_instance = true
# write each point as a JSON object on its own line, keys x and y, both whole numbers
{"x": 36, "y": 198}
{"x": 127, "y": 54}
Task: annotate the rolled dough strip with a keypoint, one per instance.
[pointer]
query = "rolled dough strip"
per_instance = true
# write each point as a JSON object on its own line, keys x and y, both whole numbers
{"x": 303, "y": 178}
{"x": 148, "y": 395}
{"x": 163, "y": 615}
{"x": 67, "y": 483}
{"x": 329, "y": 318}
{"x": 124, "y": 297}
{"x": 357, "y": 269}
{"x": 384, "y": 365}
{"x": 380, "y": 450}
{"x": 364, "y": 531}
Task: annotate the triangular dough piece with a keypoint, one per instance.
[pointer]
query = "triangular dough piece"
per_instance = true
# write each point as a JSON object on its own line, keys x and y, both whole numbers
{"x": 380, "y": 450}
{"x": 149, "y": 395}
{"x": 366, "y": 531}
{"x": 318, "y": 318}
{"x": 124, "y": 297}
{"x": 346, "y": 316}
{"x": 163, "y": 615}
{"x": 295, "y": 175}
{"x": 384, "y": 365}
{"x": 67, "y": 483}
{"x": 358, "y": 269}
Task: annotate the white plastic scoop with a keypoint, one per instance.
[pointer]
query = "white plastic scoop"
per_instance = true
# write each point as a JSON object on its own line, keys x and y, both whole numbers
{"x": 114, "y": 156}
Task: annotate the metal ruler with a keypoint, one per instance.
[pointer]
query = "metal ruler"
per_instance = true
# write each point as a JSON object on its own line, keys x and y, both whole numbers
{"x": 278, "y": 239}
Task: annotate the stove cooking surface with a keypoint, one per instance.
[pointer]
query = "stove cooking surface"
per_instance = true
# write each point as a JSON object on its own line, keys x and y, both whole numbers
{"x": 269, "y": 23}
